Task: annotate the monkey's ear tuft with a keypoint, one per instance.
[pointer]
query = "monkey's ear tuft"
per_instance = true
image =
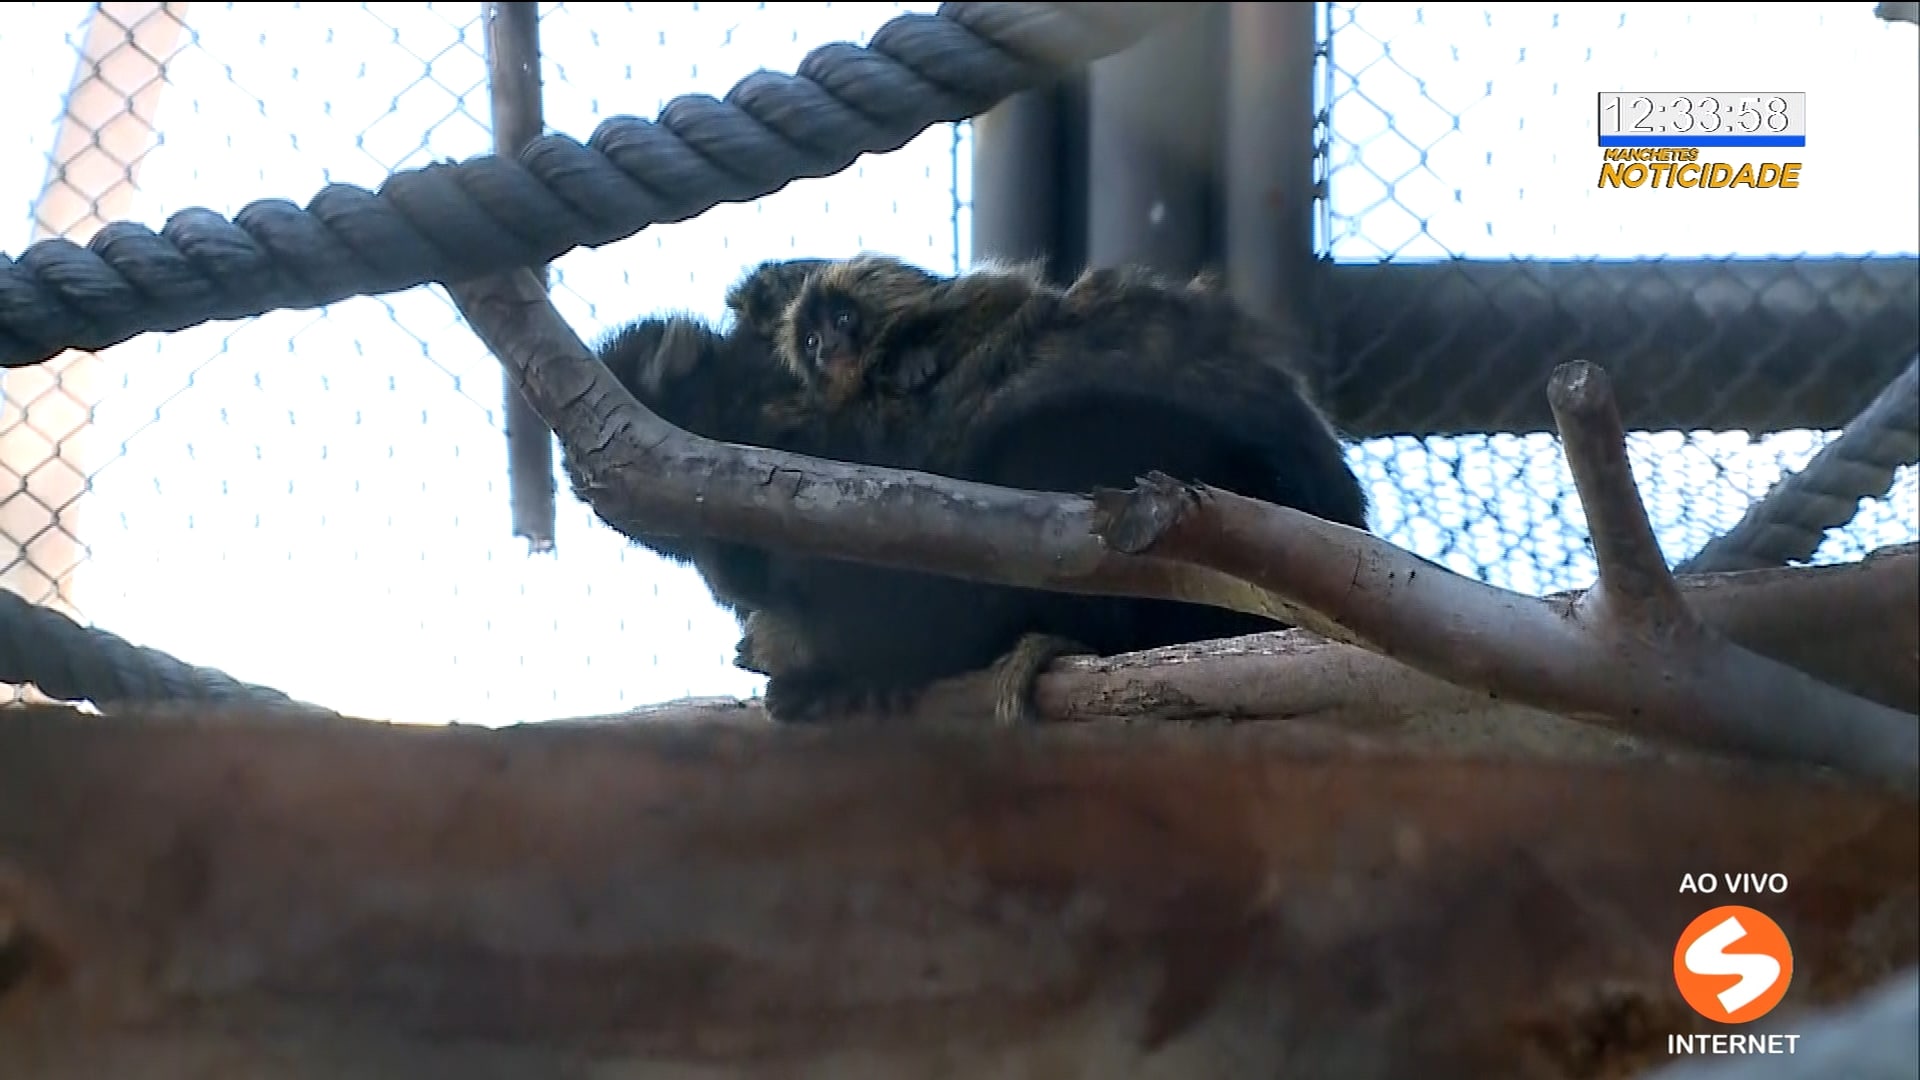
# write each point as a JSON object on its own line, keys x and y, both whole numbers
{"x": 761, "y": 296}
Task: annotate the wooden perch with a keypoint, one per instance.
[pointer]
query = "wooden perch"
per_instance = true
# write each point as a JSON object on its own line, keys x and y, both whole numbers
{"x": 1848, "y": 624}
{"x": 1638, "y": 661}
{"x": 214, "y": 895}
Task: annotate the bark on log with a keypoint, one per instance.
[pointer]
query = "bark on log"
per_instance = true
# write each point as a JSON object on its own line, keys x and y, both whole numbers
{"x": 217, "y": 896}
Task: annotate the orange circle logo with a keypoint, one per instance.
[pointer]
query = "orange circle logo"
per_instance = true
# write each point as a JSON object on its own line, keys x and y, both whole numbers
{"x": 1733, "y": 964}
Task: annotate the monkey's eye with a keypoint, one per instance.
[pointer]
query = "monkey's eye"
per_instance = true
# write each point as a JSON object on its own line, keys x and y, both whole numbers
{"x": 812, "y": 344}
{"x": 842, "y": 319}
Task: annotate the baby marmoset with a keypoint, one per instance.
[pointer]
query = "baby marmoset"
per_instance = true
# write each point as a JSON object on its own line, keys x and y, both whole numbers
{"x": 733, "y": 387}
{"x": 991, "y": 376}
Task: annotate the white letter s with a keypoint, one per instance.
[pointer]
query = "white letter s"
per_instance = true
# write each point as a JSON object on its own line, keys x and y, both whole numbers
{"x": 1757, "y": 972}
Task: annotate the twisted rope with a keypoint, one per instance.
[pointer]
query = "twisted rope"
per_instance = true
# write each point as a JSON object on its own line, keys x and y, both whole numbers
{"x": 45, "y": 648}
{"x": 451, "y": 222}
{"x": 1789, "y": 522}
{"x": 1898, "y": 12}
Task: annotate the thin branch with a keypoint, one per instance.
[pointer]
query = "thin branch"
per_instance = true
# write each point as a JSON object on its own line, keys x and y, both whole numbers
{"x": 1635, "y": 585}
{"x": 1848, "y": 625}
{"x": 1207, "y": 547}
{"x": 1586, "y": 661}
{"x": 642, "y": 471}
{"x": 513, "y": 80}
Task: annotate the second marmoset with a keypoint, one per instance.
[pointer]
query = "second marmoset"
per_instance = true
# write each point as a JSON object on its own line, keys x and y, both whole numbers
{"x": 993, "y": 376}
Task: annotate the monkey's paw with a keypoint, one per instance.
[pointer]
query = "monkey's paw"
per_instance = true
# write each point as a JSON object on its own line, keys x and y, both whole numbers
{"x": 1016, "y": 673}
{"x": 769, "y": 645}
{"x": 746, "y": 658}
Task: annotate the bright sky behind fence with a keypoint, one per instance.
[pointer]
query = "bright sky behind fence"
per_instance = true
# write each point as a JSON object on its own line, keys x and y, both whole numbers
{"x": 318, "y": 501}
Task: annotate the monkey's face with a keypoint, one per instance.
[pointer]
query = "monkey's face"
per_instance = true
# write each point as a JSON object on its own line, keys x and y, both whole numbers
{"x": 761, "y": 297}
{"x": 828, "y": 334}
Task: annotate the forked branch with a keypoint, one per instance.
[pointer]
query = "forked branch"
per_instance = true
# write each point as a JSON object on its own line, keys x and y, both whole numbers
{"x": 1636, "y": 661}
{"x": 1628, "y": 654}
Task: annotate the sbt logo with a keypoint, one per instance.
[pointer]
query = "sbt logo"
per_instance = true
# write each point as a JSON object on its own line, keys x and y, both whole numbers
{"x": 1733, "y": 964}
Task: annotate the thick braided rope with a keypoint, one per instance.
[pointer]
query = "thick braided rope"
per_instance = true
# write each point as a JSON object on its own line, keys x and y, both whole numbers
{"x": 452, "y": 222}
{"x": 1789, "y": 522}
{"x": 44, "y": 648}
{"x": 1891, "y": 12}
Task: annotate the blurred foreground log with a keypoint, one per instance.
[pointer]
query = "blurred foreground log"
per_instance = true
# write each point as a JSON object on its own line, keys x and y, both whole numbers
{"x": 1870, "y": 1038}
{"x": 214, "y": 896}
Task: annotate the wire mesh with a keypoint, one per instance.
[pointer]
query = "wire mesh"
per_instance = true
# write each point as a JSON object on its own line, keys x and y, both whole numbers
{"x": 1467, "y": 132}
{"x": 317, "y": 501}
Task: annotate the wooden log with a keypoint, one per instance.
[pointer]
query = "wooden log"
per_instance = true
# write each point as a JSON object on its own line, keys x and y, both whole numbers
{"x": 217, "y": 896}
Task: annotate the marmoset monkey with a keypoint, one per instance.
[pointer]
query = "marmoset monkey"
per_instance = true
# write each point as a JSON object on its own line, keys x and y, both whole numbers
{"x": 998, "y": 377}
{"x": 991, "y": 376}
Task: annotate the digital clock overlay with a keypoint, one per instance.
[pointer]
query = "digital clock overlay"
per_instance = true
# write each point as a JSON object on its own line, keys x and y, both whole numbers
{"x": 1663, "y": 120}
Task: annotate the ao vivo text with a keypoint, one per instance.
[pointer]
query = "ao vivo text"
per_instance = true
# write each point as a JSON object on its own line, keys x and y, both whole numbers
{"x": 1733, "y": 883}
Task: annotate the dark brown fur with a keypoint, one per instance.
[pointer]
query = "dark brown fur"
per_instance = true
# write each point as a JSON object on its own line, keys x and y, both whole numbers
{"x": 991, "y": 376}
{"x": 997, "y": 377}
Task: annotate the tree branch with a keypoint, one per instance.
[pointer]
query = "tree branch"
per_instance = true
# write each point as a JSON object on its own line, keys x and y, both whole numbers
{"x": 1206, "y": 546}
{"x": 1848, "y": 625}
{"x": 1580, "y": 660}
{"x": 1635, "y": 587}
{"x": 519, "y": 117}
{"x": 641, "y": 470}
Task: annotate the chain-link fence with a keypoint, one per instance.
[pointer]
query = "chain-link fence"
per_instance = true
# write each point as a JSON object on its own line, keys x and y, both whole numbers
{"x": 1466, "y": 132}
{"x": 318, "y": 501}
